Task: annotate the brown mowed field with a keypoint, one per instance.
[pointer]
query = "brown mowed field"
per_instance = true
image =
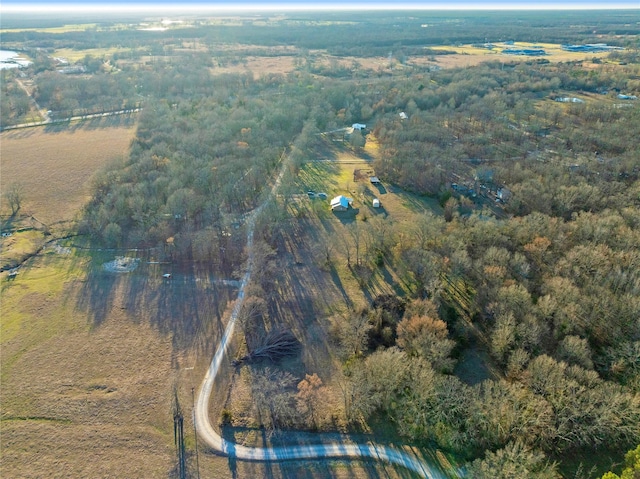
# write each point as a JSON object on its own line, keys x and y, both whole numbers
{"x": 80, "y": 398}
{"x": 54, "y": 167}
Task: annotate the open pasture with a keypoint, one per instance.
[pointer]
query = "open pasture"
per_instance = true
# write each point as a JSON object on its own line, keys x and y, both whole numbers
{"x": 54, "y": 166}
{"x": 469, "y": 55}
{"x": 79, "y": 27}
{"x": 89, "y": 360}
{"x": 80, "y": 398}
{"x": 74, "y": 55}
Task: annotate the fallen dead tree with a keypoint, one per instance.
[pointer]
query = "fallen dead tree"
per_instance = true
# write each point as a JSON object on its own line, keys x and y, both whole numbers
{"x": 276, "y": 345}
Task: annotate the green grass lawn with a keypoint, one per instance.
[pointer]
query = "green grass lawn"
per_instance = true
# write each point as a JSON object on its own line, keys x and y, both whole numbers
{"x": 79, "y": 27}
{"x": 19, "y": 246}
{"x": 74, "y": 55}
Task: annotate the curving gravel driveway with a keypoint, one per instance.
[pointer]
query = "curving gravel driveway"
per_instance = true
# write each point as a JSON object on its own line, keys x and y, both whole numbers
{"x": 320, "y": 451}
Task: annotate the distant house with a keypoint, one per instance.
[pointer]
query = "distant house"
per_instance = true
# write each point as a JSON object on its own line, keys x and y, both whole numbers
{"x": 73, "y": 69}
{"x": 376, "y": 203}
{"x": 566, "y": 99}
{"x": 403, "y": 115}
{"x": 340, "y": 203}
{"x": 591, "y": 47}
{"x": 503, "y": 194}
{"x": 532, "y": 52}
{"x": 374, "y": 180}
{"x": 627, "y": 97}
{"x": 358, "y": 126}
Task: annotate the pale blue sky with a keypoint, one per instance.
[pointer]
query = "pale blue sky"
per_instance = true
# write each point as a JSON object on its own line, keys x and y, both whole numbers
{"x": 76, "y": 5}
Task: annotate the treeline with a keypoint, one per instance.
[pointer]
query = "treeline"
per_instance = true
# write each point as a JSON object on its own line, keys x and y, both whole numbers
{"x": 559, "y": 158}
{"x": 197, "y": 164}
{"x": 552, "y": 292}
{"x": 102, "y": 89}
{"x": 556, "y": 305}
{"x": 375, "y": 30}
{"x": 124, "y": 78}
{"x": 15, "y": 104}
{"x": 71, "y": 95}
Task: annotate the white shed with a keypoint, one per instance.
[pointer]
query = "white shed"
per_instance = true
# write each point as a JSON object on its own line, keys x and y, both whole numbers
{"x": 340, "y": 203}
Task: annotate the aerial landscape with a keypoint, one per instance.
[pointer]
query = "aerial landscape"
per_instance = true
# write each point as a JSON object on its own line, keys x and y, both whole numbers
{"x": 320, "y": 241}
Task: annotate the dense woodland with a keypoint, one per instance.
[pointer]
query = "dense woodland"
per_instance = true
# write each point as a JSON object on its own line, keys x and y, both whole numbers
{"x": 549, "y": 280}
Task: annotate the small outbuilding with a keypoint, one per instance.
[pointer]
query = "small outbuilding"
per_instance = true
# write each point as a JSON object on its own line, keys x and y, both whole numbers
{"x": 376, "y": 203}
{"x": 340, "y": 203}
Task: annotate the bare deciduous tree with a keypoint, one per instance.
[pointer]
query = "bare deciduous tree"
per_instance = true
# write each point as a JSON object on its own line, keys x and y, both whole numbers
{"x": 273, "y": 397}
{"x": 427, "y": 337}
{"x": 352, "y": 331}
{"x": 14, "y": 196}
{"x": 309, "y": 397}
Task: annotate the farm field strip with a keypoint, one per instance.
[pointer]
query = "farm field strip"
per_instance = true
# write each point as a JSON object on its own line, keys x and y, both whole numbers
{"x": 55, "y": 167}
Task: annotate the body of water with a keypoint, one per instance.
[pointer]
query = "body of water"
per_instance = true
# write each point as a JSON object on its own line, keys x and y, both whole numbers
{"x": 9, "y": 59}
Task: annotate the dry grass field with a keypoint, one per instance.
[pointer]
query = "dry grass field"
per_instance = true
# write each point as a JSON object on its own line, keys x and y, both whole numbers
{"x": 465, "y": 56}
{"x": 89, "y": 360}
{"x": 86, "y": 383}
{"x": 80, "y": 398}
{"x": 54, "y": 166}
{"x": 259, "y": 66}
{"x": 63, "y": 29}
{"x": 74, "y": 55}
{"x": 468, "y": 55}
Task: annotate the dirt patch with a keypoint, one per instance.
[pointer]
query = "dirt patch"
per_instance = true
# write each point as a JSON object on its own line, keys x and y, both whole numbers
{"x": 122, "y": 264}
{"x": 60, "y": 249}
{"x": 259, "y": 66}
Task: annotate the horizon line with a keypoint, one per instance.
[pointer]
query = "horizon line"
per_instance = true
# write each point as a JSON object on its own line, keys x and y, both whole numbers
{"x": 228, "y": 7}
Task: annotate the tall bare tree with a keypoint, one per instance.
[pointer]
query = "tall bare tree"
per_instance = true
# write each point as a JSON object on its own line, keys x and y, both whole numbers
{"x": 14, "y": 196}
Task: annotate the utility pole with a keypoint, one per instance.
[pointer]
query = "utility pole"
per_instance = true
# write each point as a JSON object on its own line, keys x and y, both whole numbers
{"x": 178, "y": 435}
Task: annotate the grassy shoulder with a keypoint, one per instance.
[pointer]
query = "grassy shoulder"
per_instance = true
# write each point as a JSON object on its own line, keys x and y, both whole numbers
{"x": 20, "y": 246}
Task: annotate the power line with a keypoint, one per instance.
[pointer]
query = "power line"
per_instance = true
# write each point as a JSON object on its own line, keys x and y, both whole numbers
{"x": 195, "y": 432}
